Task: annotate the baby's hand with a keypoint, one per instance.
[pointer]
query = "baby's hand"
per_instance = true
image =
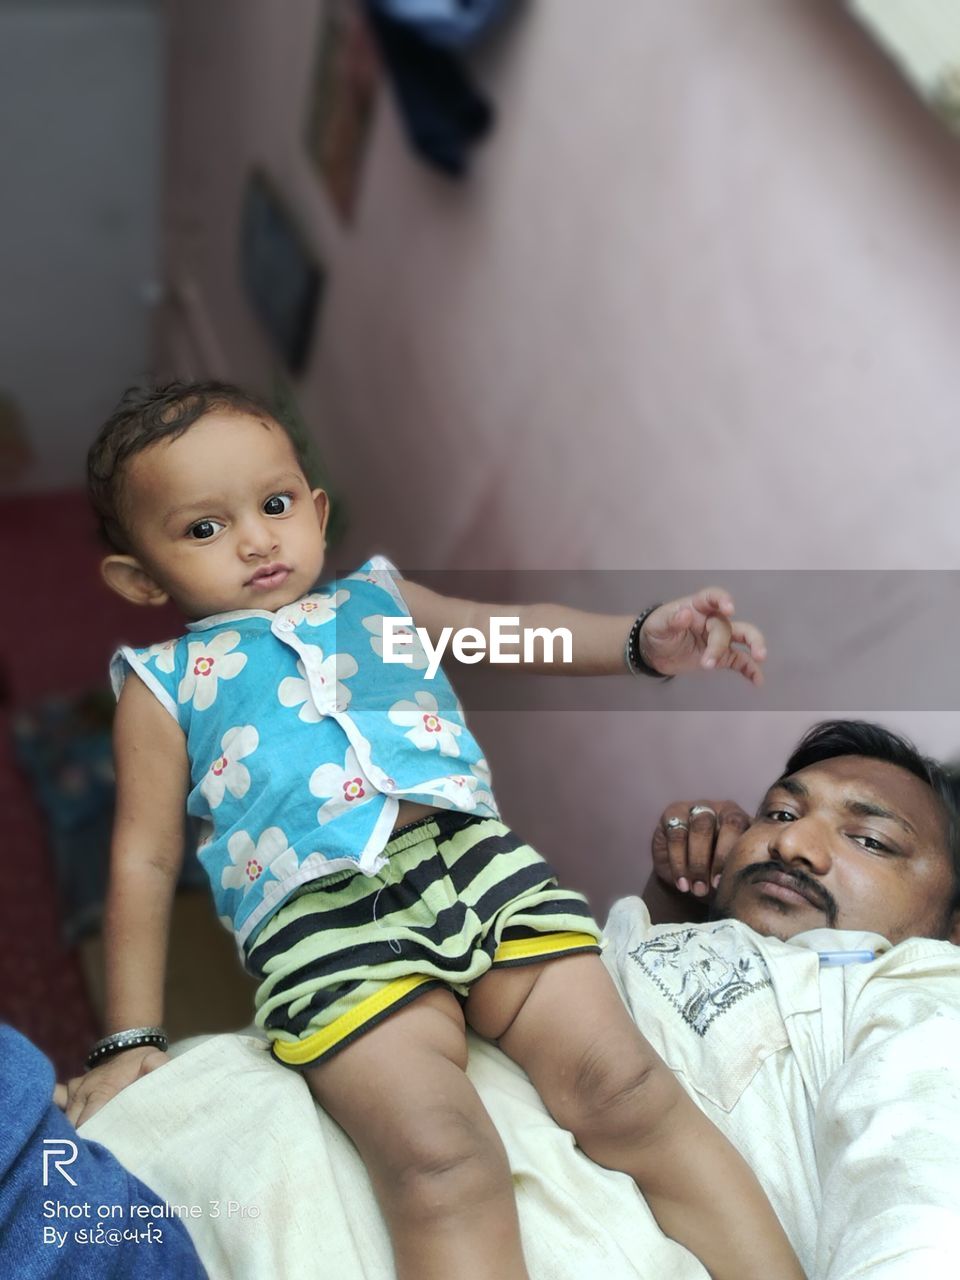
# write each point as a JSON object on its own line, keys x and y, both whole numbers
{"x": 700, "y": 631}
{"x": 85, "y": 1095}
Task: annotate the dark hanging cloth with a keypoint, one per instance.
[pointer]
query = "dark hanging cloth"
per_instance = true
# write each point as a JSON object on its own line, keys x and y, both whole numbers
{"x": 454, "y": 24}
{"x": 444, "y": 113}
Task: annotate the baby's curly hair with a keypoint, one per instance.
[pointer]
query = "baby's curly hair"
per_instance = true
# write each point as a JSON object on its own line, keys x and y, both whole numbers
{"x": 147, "y": 414}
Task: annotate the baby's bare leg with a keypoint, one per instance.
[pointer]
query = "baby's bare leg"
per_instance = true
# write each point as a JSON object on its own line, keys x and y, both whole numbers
{"x": 435, "y": 1159}
{"x": 565, "y": 1023}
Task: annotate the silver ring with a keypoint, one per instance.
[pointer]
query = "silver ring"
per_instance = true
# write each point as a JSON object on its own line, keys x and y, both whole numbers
{"x": 675, "y": 824}
{"x": 702, "y": 808}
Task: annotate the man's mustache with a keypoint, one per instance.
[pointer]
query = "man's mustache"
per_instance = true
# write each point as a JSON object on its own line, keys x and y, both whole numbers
{"x": 806, "y": 885}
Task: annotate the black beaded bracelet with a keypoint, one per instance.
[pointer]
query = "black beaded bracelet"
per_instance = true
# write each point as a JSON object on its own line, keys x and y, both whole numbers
{"x": 135, "y": 1038}
{"x": 633, "y": 657}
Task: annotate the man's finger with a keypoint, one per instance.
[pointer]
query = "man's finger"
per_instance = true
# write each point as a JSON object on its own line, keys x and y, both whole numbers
{"x": 700, "y": 842}
{"x": 732, "y": 821}
{"x": 60, "y": 1096}
{"x": 669, "y": 845}
{"x": 677, "y": 856}
{"x": 661, "y": 859}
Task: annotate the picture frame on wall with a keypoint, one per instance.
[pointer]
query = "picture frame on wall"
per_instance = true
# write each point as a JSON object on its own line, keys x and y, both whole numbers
{"x": 281, "y": 273}
{"x": 343, "y": 101}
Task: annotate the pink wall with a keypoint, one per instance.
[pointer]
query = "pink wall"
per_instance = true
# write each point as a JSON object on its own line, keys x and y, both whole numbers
{"x": 697, "y": 307}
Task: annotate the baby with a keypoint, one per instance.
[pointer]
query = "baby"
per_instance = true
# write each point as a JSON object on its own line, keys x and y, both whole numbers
{"x": 355, "y": 849}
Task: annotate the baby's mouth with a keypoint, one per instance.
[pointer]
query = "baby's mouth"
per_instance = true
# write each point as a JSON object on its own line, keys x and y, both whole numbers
{"x": 269, "y": 576}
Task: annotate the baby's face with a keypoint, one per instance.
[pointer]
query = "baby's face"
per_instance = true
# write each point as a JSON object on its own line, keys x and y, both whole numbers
{"x": 223, "y": 517}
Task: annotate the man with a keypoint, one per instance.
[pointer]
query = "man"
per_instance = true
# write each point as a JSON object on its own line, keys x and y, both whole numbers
{"x": 816, "y": 1020}
{"x": 844, "y": 793}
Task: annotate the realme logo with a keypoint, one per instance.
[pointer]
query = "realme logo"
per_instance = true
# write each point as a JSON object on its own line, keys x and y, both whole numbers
{"x": 58, "y": 1152}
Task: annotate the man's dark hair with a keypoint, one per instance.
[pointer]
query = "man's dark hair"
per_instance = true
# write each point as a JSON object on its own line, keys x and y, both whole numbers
{"x": 147, "y": 414}
{"x": 832, "y": 738}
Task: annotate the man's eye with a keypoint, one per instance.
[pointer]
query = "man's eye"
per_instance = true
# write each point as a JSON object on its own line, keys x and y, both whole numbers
{"x": 204, "y": 529}
{"x": 873, "y": 844}
{"x": 278, "y": 505}
{"x": 779, "y": 815}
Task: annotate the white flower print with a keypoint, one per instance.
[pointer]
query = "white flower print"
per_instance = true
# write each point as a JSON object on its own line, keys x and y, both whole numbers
{"x": 249, "y": 861}
{"x": 484, "y": 785}
{"x": 227, "y": 773}
{"x": 414, "y": 650}
{"x": 315, "y": 609}
{"x": 341, "y": 788}
{"x": 207, "y": 662}
{"x": 164, "y": 655}
{"x": 428, "y": 729}
{"x": 481, "y": 771}
{"x": 328, "y": 692}
{"x": 457, "y": 789}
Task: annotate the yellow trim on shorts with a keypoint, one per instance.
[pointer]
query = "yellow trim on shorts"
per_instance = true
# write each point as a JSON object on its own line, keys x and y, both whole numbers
{"x": 300, "y": 1053}
{"x": 543, "y": 945}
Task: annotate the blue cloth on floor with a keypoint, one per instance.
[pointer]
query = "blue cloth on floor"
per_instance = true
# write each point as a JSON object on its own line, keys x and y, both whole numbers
{"x": 33, "y": 1124}
{"x": 63, "y": 744}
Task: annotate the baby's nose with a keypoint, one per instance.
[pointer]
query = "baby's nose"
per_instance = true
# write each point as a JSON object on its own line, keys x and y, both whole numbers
{"x": 258, "y": 538}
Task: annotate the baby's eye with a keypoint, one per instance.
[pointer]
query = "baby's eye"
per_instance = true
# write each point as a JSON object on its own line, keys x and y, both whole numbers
{"x": 278, "y": 505}
{"x": 779, "y": 815}
{"x": 204, "y": 529}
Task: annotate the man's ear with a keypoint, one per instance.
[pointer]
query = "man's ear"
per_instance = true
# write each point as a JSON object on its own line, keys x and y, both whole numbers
{"x": 322, "y": 504}
{"x": 127, "y": 577}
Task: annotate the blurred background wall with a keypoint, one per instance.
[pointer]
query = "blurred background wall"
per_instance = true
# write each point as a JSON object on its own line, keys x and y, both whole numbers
{"x": 80, "y": 148}
{"x": 694, "y": 308}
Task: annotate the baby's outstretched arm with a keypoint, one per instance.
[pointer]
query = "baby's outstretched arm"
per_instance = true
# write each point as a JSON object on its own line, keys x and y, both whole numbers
{"x": 695, "y": 632}
{"x": 146, "y": 853}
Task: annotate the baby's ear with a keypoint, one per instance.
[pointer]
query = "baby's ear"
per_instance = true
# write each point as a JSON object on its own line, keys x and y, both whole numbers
{"x": 127, "y": 577}
{"x": 322, "y": 503}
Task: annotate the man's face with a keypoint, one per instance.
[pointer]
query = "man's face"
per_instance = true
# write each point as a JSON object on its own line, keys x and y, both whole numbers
{"x": 849, "y": 843}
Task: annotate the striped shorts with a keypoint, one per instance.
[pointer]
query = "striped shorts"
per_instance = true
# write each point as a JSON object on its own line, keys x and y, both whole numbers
{"x": 459, "y": 895}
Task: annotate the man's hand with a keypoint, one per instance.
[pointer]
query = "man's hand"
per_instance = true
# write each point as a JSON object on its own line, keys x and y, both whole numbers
{"x": 700, "y": 632}
{"x": 691, "y": 842}
{"x": 85, "y": 1095}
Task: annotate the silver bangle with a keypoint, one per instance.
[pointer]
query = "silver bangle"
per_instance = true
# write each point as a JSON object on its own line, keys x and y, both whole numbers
{"x": 134, "y": 1038}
